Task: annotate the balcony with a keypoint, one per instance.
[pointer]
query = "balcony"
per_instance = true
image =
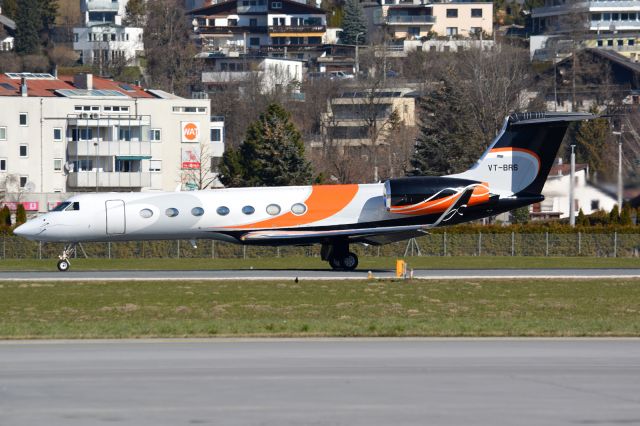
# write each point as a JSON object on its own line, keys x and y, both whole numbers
{"x": 107, "y": 149}
{"x": 411, "y": 19}
{"x": 93, "y": 179}
{"x": 615, "y": 25}
{"x": 103, "y": 120}
{"x": 102, "y": 6}
{"x": 294, "y": 29}
{"x": 233, "y": 29}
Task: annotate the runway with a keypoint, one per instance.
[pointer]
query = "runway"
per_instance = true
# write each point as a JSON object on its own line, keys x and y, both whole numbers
{"x": 321, "y": 382}
{"x": 308, "y": 274}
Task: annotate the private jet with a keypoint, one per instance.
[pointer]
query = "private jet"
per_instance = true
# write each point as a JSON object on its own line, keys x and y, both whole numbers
{"x": 510, "y": 174}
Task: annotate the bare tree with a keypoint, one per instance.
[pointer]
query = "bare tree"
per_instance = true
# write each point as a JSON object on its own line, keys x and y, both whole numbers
{"x": 203, "y": 175}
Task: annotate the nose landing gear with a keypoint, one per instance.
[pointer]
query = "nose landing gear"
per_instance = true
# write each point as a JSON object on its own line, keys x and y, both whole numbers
{"x": 339, "y": 256}
{"x": 63, "y": 263}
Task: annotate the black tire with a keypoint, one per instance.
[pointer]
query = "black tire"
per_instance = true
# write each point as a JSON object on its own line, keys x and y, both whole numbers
{"x": 63, "y": 265}
{"x": 335, "y": 263}
{"x": 350, "y": 261}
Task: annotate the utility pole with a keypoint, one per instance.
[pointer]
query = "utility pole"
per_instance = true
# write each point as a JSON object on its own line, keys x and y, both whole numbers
{"x": 620, "y": 167}
{"x": 357, "y": 56}
{"x": 572, "y": 205}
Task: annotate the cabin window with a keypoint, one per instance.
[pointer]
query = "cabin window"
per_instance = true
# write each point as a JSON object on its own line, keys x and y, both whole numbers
{"x": 197, "y": 211}
{"x": 146, "y": 213}
{"x": 298, "y": 209}
{"x": 248, "y": 210}
{"x": 273, "y": 209}
{"x": 172, "y": 212}
{"x": 223, "y": 210}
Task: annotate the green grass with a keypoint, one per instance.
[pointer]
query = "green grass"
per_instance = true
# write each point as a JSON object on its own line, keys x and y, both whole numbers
{"x": 366, "y": 263}
{"x": 320, "y": 308}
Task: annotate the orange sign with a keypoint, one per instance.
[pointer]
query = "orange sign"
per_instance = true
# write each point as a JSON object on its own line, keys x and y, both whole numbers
{"x": 190, "y": 131}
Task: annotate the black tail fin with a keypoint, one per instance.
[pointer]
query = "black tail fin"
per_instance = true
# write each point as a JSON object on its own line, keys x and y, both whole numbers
{"x": 520, "y": 158}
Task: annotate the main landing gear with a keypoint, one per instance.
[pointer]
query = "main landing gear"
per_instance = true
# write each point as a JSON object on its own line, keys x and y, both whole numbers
{"x": 63, "y": 263}
{"x": 339, "y": 256}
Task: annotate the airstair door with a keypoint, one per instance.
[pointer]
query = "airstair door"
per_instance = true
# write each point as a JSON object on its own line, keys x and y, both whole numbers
{"x": 116, "y": 224}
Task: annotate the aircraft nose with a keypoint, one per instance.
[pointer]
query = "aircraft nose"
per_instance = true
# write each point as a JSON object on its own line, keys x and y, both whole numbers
{"x": 28, "y": 230}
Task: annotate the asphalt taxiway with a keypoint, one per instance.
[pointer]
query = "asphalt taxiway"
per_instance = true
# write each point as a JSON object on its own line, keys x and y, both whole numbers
{"x": 321, "y": 382}
{"x": 314, "y": 274}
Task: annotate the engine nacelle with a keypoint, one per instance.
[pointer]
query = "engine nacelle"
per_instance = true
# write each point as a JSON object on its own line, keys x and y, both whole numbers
{"x": 429, "y": 194}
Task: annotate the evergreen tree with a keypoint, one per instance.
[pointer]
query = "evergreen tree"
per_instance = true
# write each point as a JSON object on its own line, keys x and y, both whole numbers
{"x": 48, "y": 10}
{"x": 5, "y": 216}
{"x": 28, "y": 25}
{"x": 614, "y": 215}
{"x": 272, "y": 154}
{"x": 520, "y": 215}
{"x": 582, "y": 219}
{"x": 446, "y": 143}
{"x": 591, "y": 139}
{"x": 625, "y": 216}
{"x": 353, "y": 23}
{"x": 21, "y": 215}
{"x": 135, "y": 13}
{"x": 10, "y": 8}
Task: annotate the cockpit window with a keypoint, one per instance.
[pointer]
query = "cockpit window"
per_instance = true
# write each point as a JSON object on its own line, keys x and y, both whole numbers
{"x": 60, "y": 207}
{"x": 67, "y": 206}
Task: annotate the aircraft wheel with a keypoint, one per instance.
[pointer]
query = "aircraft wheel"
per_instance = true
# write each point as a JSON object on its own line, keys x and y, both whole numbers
{"x": 350, "y": 261}
{"x": 335, "y": 263}
{"x": 63, "y": 265}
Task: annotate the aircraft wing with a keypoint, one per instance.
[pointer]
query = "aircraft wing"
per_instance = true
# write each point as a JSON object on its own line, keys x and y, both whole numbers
{"x": 370, "y": 235}
{"x": 375, "y": 235}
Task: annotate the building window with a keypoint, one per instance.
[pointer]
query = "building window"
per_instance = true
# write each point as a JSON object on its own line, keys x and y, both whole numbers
{"x": 254, "y": 41}
{"x": 127, "y": 166}
{"x": 3, "y": 133}
{"x": 81, "y": 134}
{"x": 57, "y": 134}
{"x": 3, "y": 164}
{"x": 216, "y": 135}
{"x": 276, "y": 5}
{"x": 476, "y": 13}
{"x": 631, "y": 42}
{"x": 23, "y": 181}
{"x": 155, "y": 165}
{"x": 24, "y": 151}
{"x": 452, "y": 31}
{"x": 452, "y": 13}
{"x": 155, "y": 135}
{"x": 609, "y": 43}
{"x": 23, "y": 119}
{"x": 253, "y": 22}
{"x": 595, "y": 204}
{"x": 125, "y": 135}
{"x": 600, "y": 43}
{"x": 620, "y": 42}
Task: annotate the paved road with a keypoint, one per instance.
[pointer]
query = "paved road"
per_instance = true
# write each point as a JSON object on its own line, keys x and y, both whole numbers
{"x": 318, "y": 274}
{"x": 321, "y": 382}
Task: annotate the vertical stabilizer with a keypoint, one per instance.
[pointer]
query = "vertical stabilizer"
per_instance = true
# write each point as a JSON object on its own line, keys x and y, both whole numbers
{"x": 520, "y": 158}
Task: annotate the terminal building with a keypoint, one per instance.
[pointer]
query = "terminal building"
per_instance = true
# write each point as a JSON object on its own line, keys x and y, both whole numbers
{"x": 84, "y": 133}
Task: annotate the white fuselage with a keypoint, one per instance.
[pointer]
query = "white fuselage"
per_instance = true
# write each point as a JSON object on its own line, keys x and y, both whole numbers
{"x": 152, "y": 215}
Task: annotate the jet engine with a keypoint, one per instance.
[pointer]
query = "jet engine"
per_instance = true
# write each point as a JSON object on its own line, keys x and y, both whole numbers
{"x": 429, "y": 194}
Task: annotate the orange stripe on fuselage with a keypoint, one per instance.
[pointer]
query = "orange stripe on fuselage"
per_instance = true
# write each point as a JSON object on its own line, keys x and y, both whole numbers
{"x": 324, "y": 201}
{"x": 480, "y": 194}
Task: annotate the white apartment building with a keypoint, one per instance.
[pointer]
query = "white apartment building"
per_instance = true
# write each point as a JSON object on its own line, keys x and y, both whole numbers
{"x": 609, "y": 24}
{"x": 104, "y": 38}
{"x": 84, "y": 134}
{"x": 418, "y": 19}
{"x": 9, "y": 28}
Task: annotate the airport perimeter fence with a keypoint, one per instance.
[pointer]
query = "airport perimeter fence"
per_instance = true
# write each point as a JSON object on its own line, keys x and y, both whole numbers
{"x": 614, "y": 244}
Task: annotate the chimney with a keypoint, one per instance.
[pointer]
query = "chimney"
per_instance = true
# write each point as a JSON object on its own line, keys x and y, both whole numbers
{"x": 83, "y": 81}
{"x": 24, "y": 90}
